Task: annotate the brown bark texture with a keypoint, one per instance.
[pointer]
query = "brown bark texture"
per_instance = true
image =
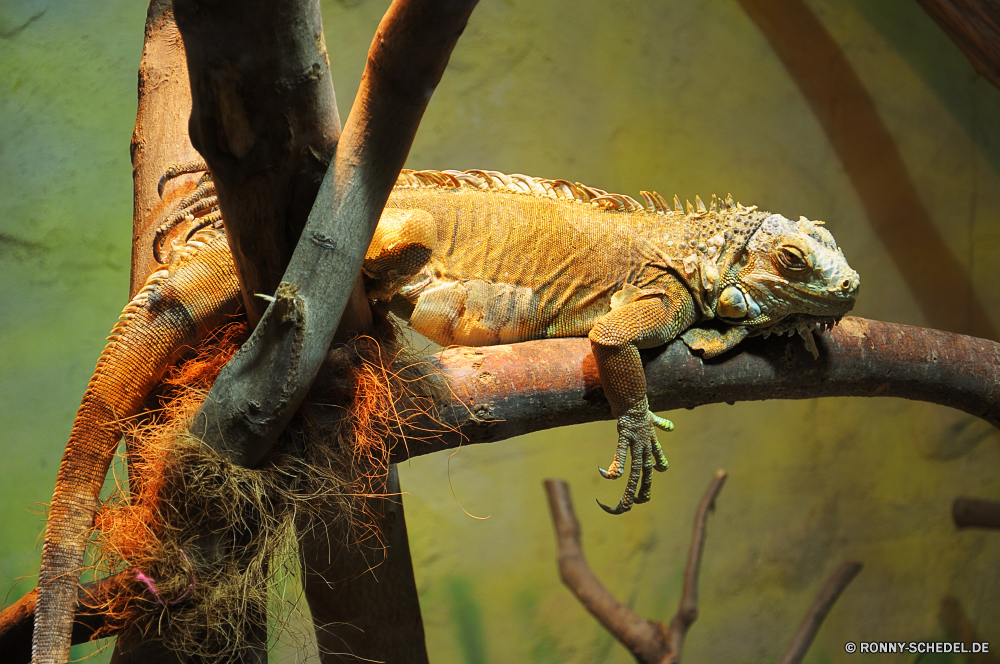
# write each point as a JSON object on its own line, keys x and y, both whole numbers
{"x": 974, "y": 26}
{"x": 502, "y": 391}
{"x": 160, "y": 137}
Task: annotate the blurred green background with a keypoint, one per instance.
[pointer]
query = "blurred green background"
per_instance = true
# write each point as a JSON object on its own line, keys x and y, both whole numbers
{"x": 681, "y": 97}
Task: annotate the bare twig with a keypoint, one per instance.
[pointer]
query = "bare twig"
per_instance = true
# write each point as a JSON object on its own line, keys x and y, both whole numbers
{"x": 972, "y": 513}
{"x": 645, "y": 639}
{"x": 687, "y": 612}
{"x": 817, "y": 612}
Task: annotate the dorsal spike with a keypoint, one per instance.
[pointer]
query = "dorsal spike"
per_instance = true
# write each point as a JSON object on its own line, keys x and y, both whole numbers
{"x": 677, "y": 204}
{"x": 688, "y": 207}
{"x": 714, "y": 206}
{"x": 729, "y": 200}
{"x": 655, "y": 202}
{"x": 701, "y": 206}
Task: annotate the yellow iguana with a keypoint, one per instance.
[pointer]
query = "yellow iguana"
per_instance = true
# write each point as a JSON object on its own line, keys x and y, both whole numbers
{"x": 479, "y": 258}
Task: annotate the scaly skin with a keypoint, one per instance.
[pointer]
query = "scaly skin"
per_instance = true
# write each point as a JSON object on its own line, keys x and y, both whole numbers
{"x": 482, "y": 258}
{"x": 486, "y": 258}
{"x": 178, "y": 306}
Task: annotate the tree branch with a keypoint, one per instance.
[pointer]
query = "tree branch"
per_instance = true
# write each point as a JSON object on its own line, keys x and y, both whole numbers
{"x": 974, "y": 26}
{"x": 687, "y": 612}
{"x": 818, "y": 611}
{"x": 645, "y": 639}
{"x": 499, "y": 392}
{"x": 972, "y": 513}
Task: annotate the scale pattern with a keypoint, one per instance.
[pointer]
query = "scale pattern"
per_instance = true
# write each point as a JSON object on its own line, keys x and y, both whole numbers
{"x": 481, "y": 258}
{"x": 176, "y": 307}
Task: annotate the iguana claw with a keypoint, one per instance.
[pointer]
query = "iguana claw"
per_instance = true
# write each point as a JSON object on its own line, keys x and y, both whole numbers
{"x": 647, "y": 455}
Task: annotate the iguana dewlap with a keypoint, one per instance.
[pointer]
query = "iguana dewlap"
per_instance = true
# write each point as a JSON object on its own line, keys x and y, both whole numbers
{"x": 486, "y": 258}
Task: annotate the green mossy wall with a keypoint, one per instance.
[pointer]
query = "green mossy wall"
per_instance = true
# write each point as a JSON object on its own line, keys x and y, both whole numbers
{"x": 678, "y": 97}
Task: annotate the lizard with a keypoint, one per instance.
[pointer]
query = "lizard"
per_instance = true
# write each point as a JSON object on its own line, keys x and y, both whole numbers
{"x": 477, "y": 258}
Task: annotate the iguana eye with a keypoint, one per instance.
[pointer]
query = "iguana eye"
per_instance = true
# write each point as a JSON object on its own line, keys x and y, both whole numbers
{"x": 792, "y": 259}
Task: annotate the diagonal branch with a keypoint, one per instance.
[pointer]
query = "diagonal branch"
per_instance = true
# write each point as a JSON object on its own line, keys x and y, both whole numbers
{"x": 974, "y": 26}
{"x": 817, "y": 613}
{"x": 687, "y": 612}
{"x": 261, "y": 388}
{"x": 645, "y": 639}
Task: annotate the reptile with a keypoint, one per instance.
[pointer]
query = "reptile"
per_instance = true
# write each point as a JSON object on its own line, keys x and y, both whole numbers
{"x": 477, "y": 258}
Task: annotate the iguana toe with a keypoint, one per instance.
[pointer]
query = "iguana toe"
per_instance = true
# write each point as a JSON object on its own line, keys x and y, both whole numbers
{"x": 660, "y": 422}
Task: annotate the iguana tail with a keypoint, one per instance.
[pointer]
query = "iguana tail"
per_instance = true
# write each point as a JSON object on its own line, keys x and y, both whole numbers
{"x": 176, "y": 307}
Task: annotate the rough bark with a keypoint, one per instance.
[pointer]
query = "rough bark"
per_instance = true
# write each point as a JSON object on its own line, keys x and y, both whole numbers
{"x": 160, "y": 137}
{"x": 250, "y": 64}
{"x": 503, "y": 391}
{"x": 974, "y": 26}
{"x": 363, "y": 599}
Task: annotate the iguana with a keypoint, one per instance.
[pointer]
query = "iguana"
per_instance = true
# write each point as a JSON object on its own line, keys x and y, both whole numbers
{"x": 478, "y": 258}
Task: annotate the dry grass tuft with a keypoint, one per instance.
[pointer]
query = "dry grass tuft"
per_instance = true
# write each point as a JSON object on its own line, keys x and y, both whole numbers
{"x": 185, "y": 500}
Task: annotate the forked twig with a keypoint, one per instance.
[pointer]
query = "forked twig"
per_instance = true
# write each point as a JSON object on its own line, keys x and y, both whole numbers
{"x": 649, "y": 641}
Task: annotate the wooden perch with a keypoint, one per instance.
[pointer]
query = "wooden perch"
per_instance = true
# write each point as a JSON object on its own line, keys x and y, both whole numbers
{"x": 499, "y": 392}
{"x": 649, "y": 641}
{"x": 972, "y": 513}
{"x": 538, "y": 385}
{"x": 974, "y": 26}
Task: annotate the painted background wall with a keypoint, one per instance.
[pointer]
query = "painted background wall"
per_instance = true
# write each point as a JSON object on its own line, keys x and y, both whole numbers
{"x": 687, "y": 98}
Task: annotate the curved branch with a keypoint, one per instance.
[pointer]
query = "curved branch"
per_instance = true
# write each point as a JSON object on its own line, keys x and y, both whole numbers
{"x": 503, "y": 391}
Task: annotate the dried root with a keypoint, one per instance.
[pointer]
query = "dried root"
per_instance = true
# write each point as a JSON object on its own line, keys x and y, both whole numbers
{"x": 186, "y": 504}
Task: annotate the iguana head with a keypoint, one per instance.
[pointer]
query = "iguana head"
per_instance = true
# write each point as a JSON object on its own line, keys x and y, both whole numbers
{"x": 790, "y": 277}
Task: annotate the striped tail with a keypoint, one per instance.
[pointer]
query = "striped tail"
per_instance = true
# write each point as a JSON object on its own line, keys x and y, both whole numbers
{"x": 176, "y": 308}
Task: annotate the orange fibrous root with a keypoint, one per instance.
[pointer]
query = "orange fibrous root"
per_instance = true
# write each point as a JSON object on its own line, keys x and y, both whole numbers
{"x": 184, "y": 500}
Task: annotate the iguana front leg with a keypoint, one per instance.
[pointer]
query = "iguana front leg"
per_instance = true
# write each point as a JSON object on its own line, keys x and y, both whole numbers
{"x": 638, "y": 319}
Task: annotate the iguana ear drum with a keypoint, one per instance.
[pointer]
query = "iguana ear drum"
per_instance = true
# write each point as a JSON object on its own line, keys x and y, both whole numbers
{"x": 732, "y": 304}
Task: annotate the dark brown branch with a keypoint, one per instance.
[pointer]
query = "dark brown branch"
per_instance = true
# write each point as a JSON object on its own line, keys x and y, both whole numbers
{"x": 264, "y": 117}
{"x": 504, "y": 391}
{"x": 687, "y": 612}
{"x": 645, "y": 639}
{"x": 972, "y": 513}
{"x": 260, "y": 389}
{"x": 974, "y": 26}
{"x": 818, "y": 611}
